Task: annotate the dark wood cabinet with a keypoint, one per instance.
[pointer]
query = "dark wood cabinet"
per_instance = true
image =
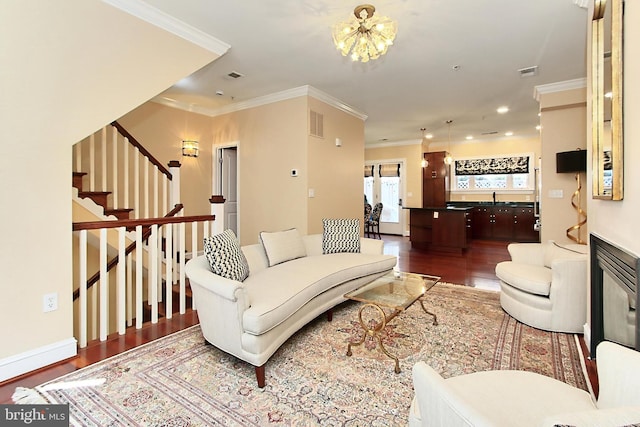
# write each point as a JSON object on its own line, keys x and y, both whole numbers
{"x": 504, "y": 223}
{"x": 445, "y": 230}
{"x": 435, "y": 181}
{"x": 523, "y": 222}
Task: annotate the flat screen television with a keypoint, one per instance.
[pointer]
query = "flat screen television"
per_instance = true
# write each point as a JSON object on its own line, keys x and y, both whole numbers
{"x": 571, "y": 161}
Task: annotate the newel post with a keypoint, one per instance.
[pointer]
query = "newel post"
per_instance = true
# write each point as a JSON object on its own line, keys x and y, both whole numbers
{"x": 174, "y": 190}
{"x": 217, "y": 209}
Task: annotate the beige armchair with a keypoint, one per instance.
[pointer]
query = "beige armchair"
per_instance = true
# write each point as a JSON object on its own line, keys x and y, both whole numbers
{"x": 545, "y": 285}
{"x": 522, "y": 399}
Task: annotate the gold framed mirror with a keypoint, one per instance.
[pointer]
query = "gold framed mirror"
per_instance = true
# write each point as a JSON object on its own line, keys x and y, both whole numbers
{"x": 606, "y": 83}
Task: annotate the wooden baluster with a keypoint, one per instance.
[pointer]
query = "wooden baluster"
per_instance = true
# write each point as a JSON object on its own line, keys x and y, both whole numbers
{"x": 121, "y": 284}
{"x": 136, "y": 182}
{"x": 104, "y": 286}
{"x": 194, "y": 252}
{"x": 92, "y": 163}
{"x": 125, "y": 173}
{"x": 145, "y": 190}
{"x": 114, "y": 162}
{"x": 104, "y": 158}
{"x": 129, "y": 282}
{"x": 139, "y": 258}
{"x": 153, "y": 277}
{"x": 82, "y": 287}
{"x": 168, "y": 250}
{"x": 183, "y": 287}
{"x": 156, "y": 194}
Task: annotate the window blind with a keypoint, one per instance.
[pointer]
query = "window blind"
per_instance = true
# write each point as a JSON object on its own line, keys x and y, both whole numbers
{"x": 368, "y": 171}
{"x": 495, "y": 166}
{"x": 389, "y": 170}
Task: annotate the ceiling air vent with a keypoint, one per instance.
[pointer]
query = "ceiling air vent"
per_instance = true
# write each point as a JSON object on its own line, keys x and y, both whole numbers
{"x": 493, "y": 132}
{"x": 529, "y": 71}
{"x": 234, "y": 75}
{"x": 316, "y": 124}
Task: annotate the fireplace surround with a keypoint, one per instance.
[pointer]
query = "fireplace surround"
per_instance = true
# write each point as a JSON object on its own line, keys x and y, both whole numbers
{"x": 614, "y": 294}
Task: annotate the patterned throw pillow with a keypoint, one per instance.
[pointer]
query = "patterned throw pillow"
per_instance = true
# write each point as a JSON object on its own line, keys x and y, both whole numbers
{"x": 340, "y": 235}
{"x": 225, "y": 256}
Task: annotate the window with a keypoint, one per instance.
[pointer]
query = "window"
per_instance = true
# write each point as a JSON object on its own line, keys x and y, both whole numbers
{"x": 493, "y": 173}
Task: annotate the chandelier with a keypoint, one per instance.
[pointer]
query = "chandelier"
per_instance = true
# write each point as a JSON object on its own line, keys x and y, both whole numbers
{"x": 365, "y": 37}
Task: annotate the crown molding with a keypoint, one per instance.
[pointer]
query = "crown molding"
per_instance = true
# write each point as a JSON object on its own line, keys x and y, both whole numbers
{"x": 264, "y": 100}
{"x": 369, "y": 145}
{"x": 160, "y": 19}
{"x": 559, "y": 87}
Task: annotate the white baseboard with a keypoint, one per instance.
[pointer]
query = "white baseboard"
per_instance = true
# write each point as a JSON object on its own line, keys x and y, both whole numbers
{"x": 37, "y": 358}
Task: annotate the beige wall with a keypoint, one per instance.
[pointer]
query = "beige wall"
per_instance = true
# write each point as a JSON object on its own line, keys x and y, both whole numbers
{"x": 335, "y": 173}
{"x": 563, "y": 120}
{"x": 69, "y": 75}
{"x": 160, "y": 130}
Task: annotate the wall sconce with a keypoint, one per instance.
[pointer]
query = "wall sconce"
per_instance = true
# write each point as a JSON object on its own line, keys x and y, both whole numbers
{"x": 190, "y": 148}
{"x": 338, "y": 142}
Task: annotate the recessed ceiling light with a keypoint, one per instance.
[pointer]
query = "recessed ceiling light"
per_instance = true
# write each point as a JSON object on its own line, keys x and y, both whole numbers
{"x": 469, "y": 137}
{"x": 503, "y": 109}
{"x": 509, "y": 133}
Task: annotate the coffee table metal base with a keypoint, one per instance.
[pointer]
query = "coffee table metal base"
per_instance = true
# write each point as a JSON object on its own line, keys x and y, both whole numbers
{"x": 375, "y": 331}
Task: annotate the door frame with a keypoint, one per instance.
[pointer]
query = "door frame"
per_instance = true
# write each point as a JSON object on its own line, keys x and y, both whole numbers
{"x": 403, "y": 188}
{"x": 216, "y": 171}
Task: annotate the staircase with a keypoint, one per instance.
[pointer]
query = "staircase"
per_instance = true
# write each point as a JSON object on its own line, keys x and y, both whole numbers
{"x": 99, "y": 198}
{"x": 137, "y": 255}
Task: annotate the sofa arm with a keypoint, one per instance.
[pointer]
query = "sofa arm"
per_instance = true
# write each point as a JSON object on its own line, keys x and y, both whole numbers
{"x": 200, "y": 274}
{"x": 614, "y": 417}
{"x": 527, "y": 253}
{"x": 618, "y": 376}
{"x": 438, "y": 403}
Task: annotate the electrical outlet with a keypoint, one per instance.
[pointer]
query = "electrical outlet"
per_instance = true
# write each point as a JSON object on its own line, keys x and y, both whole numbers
{"x": 50, "y": 302}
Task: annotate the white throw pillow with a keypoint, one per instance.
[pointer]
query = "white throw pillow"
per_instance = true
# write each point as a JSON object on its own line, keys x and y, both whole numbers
{"x": 225, "y": 256}
{"x": 282, "y": 246}
{"x": 340, "y": 235}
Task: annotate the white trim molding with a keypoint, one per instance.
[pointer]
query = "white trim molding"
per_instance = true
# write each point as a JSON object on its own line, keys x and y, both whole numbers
{"x": 28, "y": 361}
{"x": 264, "y": 100}
{"x": 559, "y": 87}
{"x": 170, "y": 24}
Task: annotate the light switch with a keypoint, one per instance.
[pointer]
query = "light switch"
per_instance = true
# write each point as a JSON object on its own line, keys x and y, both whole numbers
{"x": 312, "y": 192}
{"x": 435, "y": 215}
{"x": 556, "y": 194}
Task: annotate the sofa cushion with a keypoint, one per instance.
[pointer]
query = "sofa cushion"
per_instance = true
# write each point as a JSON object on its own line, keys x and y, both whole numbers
{"x": 225, "y": 256}
{"x": 282, "y": 246}
{"x": 279, "y": 291}
{"x": 340, "y": 235}
{"x": 534, "y": 279}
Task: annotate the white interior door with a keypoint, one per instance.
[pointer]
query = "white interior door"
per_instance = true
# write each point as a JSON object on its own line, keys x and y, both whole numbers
{"x": 386, "y": 185}
{"x": 229, "y": 186}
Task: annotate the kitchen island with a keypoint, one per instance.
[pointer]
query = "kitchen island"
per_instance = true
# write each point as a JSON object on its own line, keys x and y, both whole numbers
{"x": 445, "y": 229}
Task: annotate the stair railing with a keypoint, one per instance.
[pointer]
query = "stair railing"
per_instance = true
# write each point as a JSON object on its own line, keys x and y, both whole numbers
{"x": 106, "y": 156}
{"x": 120, "y": 297}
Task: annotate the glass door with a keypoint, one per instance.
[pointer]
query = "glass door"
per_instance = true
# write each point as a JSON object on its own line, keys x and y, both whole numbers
{"x": 383, "y": 183}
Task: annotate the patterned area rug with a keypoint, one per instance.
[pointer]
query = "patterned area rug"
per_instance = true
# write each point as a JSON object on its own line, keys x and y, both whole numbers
{"x": 180, "y": 381}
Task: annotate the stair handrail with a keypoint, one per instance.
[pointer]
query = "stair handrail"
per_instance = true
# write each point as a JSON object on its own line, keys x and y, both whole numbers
{"x": 169, "y": 218}
{"x": 133, "y": 141}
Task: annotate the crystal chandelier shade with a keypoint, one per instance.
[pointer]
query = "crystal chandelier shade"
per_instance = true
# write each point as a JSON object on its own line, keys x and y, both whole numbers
{"x": 365, "y": 37}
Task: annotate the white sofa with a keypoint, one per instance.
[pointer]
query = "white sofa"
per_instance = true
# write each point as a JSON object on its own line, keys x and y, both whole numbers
{"x": 545, "y": 285}
{"x": 523, "y": 399}
{"x": 253, "y": 318}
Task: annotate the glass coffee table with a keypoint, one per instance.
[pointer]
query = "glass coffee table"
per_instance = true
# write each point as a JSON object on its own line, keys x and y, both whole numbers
{"x": 394, "y": 292}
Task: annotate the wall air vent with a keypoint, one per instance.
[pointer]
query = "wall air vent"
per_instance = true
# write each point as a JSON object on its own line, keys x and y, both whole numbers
{"x": 316, "y": 124}
{"x": 493, "y": 132}
{"x": 528, "y": 71}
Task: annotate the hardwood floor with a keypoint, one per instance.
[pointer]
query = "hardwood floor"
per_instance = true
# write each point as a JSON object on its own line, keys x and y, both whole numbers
{"x": 476, "y": 267}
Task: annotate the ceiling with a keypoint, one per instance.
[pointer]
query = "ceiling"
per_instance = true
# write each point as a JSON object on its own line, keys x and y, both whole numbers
{"x": 451, "y": 60}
